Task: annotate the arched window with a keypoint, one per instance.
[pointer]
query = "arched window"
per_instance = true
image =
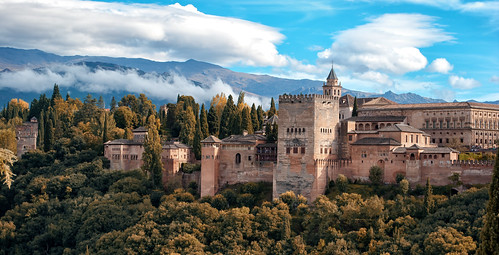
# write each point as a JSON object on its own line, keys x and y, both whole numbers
{"x": 238, "y": 158}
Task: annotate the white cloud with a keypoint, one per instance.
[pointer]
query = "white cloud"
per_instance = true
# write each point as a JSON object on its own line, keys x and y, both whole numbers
{"x": 377, "y": 77}
{"x": 440, "y": 65}
{"x": 463, "y": 83}
{"x": 108, "y": 81}
{"x": 494, "y": 79}
{"x": 157, "y": 32}
{"x": 389, "y": 43}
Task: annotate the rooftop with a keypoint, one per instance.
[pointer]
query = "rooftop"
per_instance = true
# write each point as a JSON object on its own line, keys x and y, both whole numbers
{"x": 211, "y": 139}
{"x": 123, "y": 142}
{"x": 243, "y": 139}
{"x": 401, "y": 128}
{"x": 376, "y": 141}
{"x": 432, "y": 106}
{"x": 377, "y": 119}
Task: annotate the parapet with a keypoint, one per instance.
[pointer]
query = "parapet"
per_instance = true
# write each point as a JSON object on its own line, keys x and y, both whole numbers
{"x": 473, "y": 163}
{"x": 303, "y": 98}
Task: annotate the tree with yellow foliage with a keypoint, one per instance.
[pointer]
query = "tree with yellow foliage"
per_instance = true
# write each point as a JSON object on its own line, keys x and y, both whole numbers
{"x": 7, "y": 158}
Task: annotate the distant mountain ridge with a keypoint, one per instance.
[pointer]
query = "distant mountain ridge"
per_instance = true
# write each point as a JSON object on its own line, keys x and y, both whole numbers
{"x": 201, "y": 73}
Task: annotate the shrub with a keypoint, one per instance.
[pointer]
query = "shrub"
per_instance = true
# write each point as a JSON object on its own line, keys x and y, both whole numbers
{"x": 342, "y": 183}
{"x": 376, "y": 175}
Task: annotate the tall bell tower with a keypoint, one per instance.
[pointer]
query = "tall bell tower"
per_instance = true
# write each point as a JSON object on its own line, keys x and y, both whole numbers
{"x": 332, "y": 87}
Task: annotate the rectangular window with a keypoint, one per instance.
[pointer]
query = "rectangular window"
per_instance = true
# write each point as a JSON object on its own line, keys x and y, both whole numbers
{"x": 302, "y": 150}
{"x": 288, "y": 150}
{"x": 350, "y": 138}
{"x": 295, "y": 150}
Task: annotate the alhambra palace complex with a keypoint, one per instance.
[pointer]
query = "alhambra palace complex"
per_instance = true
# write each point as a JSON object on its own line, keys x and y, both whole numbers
{"x": 318, "y": 139}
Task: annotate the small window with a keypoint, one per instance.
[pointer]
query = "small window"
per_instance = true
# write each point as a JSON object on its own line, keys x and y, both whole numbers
{"x": 302, "y": 150}
{"x": 350, "y": 137}
{"x": 238, "y": 158}
{"x": 249, "y": 158}
{"x": 288, "y": 150}
{"x": 295, "y": 150}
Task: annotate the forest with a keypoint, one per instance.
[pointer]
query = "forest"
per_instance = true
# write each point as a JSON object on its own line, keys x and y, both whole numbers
{"x": 63, "y": 199}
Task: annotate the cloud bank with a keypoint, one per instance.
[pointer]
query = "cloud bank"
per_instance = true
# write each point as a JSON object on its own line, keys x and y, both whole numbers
{"x": 157, "y": 32}
{"x": 100, "y": 81}
{"x": 463, "y": 83}
{"x": 388, "y": 44}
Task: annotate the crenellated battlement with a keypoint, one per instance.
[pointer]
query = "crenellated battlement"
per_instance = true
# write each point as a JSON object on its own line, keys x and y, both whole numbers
{"x": 304, "y": 98}
{"x": 472, "y": 163}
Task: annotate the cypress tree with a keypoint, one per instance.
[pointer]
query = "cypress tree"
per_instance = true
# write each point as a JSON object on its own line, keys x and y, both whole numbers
{"x": 113, "y": 104}
{"x": 260, "y": 113}
{"x": 203, "y": 120}
{"x": 56, "y": 94}
{"x": 254, "y": 118}
{"x": 272, "y": 111}
{"x": 236, "y": 122}
{"x": 68, "y": 97}
{"x": 188, "y": 127}
{"x": 226, "y": 124}
{"x": 196, "y": 146}
{"x": 152, "y": 154}
{"x": 49, "y": 135}
{"x": 41, "y": 130}
{"x": 489, "y": 238}
{"x": 104, "y": 132}
{"x": 429, "y": 202}
{"x": 246, "y": 123}
{"x": 354, "y": 111}
{"x": 213, "y": 121}
{"x": 101, "y": 103}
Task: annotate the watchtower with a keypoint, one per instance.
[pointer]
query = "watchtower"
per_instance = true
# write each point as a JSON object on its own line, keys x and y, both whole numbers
{"x": 307, "y": 137}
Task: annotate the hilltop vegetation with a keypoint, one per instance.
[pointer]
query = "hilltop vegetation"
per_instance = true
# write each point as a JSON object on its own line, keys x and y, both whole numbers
{"x": 65, "y": 200}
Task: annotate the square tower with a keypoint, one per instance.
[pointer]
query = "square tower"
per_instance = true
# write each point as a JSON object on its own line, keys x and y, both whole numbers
{"x": 307, "y": 140}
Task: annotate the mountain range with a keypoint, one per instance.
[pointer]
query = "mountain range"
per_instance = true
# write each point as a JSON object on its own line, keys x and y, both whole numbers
{"x": 201, "y": 74}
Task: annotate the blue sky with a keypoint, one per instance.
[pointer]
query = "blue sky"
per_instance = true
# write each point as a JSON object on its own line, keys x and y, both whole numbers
{"x": 443, "y": 49}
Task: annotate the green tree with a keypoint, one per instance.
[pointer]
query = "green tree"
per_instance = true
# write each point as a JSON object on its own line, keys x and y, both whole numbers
{"x": 254, "y": 118}
{"x": 7, "y": 158}
{"x": 272, "y": 111}
{"x": 203, "y": 118}
{"x": 196, "y": 146}
{"x": 271, "y": 132}
{"x": 404, "y": 186}
{"x": 41, "y": 130}
{"x": 261, "y": 117}
{"x": 376, "y": 175}
{"x": 354, "y": 111}
{"x": 429, "y": 201}
{"x": 449, "y": 241}
{"x": 188, "y": 130}
{"x": 124, "y": 117}
{"x": 225, "y": 120}
{"x": 213, "y": 121}
{"x": 342, "y": 183}
{"x": 152, "y": 154}
{"x": 101, "y": 103}
{"x": 113, "y": 104}
{"x": 489, "y": 238}
{"x": 247, "y": 123}
{"x": 49, "y": 135}
{"x": 56, "y": 94}
{"x": 105, "y": 137}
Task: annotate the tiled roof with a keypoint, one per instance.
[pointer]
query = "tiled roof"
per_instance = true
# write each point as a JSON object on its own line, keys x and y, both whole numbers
{"x": 175, "y": 145}
{"x": 377, "y": 118}
{"x": 123, "y": 142}
{"x": 244, "y": 139}
{"x": 140, "y": 129}
{"x": 376, "y": 141}
{"x": 211, "y": 139}
{"x": 426, "y": 150}
{"x": 379, "y": 101}
{"x": 400, "y": 128}
{"x": 432, "y": 106}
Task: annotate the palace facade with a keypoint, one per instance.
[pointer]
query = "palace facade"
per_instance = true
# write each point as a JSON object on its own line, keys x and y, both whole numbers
{"x": 318, "y": 140}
